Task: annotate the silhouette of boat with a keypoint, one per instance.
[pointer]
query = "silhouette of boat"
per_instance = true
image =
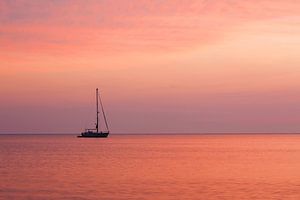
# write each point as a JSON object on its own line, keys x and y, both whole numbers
{"x": 94, "y": 133}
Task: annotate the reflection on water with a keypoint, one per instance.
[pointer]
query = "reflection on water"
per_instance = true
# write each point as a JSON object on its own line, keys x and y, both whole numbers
{"x": 150, "y": 167}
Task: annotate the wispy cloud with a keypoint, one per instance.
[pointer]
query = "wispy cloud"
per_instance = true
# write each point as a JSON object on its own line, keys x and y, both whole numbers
{"x": 128, "y": 25}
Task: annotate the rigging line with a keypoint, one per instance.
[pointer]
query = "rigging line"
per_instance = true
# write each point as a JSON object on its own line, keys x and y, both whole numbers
{"x": 106, "y": 124}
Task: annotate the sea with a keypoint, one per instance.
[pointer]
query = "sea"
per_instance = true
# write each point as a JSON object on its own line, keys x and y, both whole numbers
{"x": 156, "y": 167}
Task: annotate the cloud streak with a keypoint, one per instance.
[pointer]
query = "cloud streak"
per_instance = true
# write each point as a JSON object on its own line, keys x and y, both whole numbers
{"x": 41, "y": 26}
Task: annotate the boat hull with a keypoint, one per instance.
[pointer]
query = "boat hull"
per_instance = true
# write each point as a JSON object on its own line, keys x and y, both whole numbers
{"x": 94, "y": 135}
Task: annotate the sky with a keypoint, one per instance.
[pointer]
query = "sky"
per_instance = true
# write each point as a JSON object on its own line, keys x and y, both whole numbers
{"x": 162, "y": 66}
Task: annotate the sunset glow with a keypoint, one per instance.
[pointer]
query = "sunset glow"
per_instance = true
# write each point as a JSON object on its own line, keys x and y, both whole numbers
{"x": 192, "y": 66}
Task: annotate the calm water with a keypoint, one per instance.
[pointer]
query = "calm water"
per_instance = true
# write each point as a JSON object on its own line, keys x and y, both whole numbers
{"x": 150, "y": 167}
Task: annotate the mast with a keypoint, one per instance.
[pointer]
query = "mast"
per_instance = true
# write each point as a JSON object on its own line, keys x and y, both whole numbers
{"x": 97, "y": 124}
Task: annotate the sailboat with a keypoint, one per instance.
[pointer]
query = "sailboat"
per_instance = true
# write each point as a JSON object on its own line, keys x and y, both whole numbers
{"x": 94, "y": 132}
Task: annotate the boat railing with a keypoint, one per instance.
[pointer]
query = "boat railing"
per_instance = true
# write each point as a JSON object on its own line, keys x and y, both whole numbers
{"x": 90, "y": 129}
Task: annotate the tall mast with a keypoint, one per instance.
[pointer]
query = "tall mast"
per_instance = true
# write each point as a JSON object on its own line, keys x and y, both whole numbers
{"x": 97, "y": 124}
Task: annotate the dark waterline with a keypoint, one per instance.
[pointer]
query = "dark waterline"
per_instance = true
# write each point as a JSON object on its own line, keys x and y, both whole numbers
{"x": 244, "y": 133}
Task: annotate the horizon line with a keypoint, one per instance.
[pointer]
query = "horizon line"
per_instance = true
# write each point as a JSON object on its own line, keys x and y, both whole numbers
{"x": 157, "y": 133}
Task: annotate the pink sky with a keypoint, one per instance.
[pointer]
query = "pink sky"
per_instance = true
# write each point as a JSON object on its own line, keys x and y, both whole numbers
{"x": 194, "y": 66}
